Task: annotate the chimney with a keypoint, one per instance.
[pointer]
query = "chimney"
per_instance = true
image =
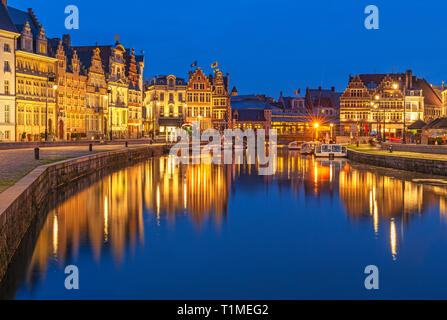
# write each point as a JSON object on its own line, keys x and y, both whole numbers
{"x": 333, "y": 89}
{"x": 5, "y": 3}
{"x": 319, "y": 88}
{"x": 409, "y": 78}
{"x": 66, "y": 39}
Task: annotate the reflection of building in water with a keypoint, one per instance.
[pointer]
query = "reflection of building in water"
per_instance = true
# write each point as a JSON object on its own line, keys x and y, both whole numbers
{"x": 108, "y": 212}
{"x": 202, "y": 189}
{"x": 315, "y": 177}
{"x": 365, "y": 193}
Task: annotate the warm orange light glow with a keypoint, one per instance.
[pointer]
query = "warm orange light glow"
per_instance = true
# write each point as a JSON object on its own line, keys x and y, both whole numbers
{"x": 316, "y": 125}
{"x": 377, "y": 97}
{"x": 395, "y": 86}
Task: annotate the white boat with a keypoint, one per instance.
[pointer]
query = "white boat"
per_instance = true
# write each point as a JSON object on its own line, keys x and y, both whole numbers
{"x": 295, "y": 145}
{"x": 308, "y": 147}
{"x": 331, "y": 151}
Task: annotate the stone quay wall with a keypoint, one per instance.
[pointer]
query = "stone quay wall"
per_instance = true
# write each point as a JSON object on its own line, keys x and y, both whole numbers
{"x": 419, "y": 148}
{"x": 435, "y": 167}
{"x": 20, "y": 204}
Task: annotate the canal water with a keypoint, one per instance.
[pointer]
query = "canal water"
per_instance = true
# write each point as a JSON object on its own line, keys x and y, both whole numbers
{"x": 157, "y": 230}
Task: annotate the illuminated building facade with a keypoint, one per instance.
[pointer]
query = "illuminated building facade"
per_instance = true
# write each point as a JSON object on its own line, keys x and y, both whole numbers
{"x": 221, "y": 107}
{"x": 165, "y": 102}
{"x": 199, "y": 105}
{"x": 70, "y": 92}
{"x": 8, "y": 36}
{"x": 135, "y": 75}
{"x": 35, "y": 80}
{"x": 96, "y": 94}
{"x": 251, "y": 112}
{"x": 379, "y": 102}
{"x": 123, "y": 72}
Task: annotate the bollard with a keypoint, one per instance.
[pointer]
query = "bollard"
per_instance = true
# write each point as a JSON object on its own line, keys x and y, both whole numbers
{"x": 357, "y": 144}
{"x": 36, "y": 153}
{"x": 127, "y": 144}
{"x": 90, "y": 147}
{"x": 390, "y": 149}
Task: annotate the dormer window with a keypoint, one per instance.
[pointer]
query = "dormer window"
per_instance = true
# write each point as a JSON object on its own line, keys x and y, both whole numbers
{"x": 43, "y": 48}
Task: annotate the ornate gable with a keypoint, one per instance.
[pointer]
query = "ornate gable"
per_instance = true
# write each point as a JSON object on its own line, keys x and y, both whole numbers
{"x": 356, "y": 88}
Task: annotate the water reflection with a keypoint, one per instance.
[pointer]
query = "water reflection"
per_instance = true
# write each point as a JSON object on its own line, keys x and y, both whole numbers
{"x": 113, "y": 214}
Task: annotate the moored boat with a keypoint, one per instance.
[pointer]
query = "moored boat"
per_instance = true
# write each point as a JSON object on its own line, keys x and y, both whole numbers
{"x": 295, "y": 145}
{"x": 308, "y": 148}
{"x": 331, "y": 151}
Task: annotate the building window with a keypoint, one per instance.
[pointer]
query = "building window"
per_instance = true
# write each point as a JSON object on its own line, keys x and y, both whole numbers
{"x": 6, "y": 48}
{"x": 43, "y": 48}
{"x": 7, "y": 67}
{"x": 7, "y": 115}
{"x": 7, "y": 87}
{"x": 7, "y": 135}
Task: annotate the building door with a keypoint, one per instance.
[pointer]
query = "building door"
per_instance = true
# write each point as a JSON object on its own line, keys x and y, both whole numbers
{"x": 61, "y": 129}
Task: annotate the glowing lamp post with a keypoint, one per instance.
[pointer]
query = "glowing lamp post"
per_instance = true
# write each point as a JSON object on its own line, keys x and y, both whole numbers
{"x": 316, "y": 126}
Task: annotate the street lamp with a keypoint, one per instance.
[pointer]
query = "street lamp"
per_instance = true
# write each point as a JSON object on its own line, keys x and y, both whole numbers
{"x": 316, "y": 126}
{"x": 52, "y": 79}
{"x": 106, "y": 101}
{"x": 332, "y": 129}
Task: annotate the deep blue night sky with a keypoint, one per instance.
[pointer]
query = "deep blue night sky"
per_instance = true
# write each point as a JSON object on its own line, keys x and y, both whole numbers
{"x": 266, "y": 46}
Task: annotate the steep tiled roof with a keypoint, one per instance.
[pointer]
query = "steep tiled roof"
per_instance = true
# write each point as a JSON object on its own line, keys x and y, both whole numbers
{"x": 106, "y": 52}
{"x": 69, "y": 53}
{"x": 418, "y": 124}
{"x": 440, "y": 123}
{"x": 6, "y": 22}
{"x": 85, "y": 57}
{"x": 431, "y": 97}
{"x": 323, "y": 97}
{"x": 249, "y": 114}
{"x": 20, "y": 17}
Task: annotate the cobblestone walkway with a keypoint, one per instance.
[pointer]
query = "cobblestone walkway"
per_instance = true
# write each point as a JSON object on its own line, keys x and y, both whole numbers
{"x": 16, "y": 163}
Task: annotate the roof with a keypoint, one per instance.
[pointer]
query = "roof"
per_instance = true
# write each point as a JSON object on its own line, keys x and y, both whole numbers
{"x": 105, "y": 53}
{"x": 250, "y": 104}
{"x": 163, "y": 80}
{"x": 250, "y": 114}
{"x": 323, "y": 97}
{"x": 418, "y": 124}
{"x": 85, "y": 57}
{"x": 20, "y": 17}
{"x": 69, "y": 53}
{"x": 431, "y": 97}
{"x": 430, "y": 92}
{"x": 440, "y": 123}
{"x": 6, "y": 22}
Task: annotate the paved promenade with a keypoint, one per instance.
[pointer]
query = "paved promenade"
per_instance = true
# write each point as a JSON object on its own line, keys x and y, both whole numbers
{"x": 366, "y": 148}
{"x": 16, "y": 163}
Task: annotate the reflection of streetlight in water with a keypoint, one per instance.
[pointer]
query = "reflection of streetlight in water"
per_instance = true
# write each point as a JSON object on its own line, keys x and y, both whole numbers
{"x": 393, "y": 239}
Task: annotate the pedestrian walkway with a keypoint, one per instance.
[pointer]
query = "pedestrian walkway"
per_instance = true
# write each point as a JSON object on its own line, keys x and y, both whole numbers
{"x": 366, "y": 148}
{"x": 16, "y": 163}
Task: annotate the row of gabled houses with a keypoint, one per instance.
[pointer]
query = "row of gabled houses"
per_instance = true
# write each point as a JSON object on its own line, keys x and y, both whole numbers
{"x": 371, "y": 104}
{"x": 51, "y": 89}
